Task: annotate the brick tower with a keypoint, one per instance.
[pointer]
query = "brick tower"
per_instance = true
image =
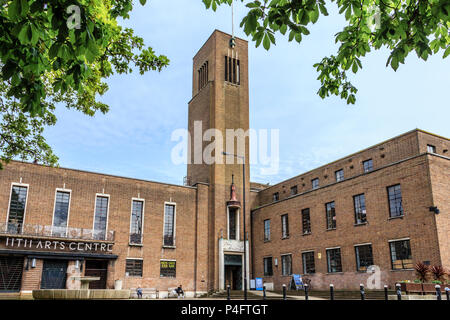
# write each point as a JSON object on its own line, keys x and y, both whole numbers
{"x": 220, "y": 101}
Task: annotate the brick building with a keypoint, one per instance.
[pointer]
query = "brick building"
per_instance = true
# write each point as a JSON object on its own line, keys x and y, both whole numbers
{"x": 375, "y": 207}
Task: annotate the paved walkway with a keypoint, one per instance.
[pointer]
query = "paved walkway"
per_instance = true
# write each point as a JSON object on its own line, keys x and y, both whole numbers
{"x": 280, "y": 296}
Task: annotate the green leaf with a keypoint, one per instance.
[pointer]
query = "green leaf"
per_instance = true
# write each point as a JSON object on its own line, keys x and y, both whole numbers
{"x": 266, "y": 42}
{"x": 143, "y": 2}
{"x": 446, "y": 53}
{"x": 14, "y": 9}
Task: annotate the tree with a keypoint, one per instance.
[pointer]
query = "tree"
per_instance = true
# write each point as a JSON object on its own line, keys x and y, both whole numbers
{"x": 60, "y": 52}
{"x": 402, "y": 26}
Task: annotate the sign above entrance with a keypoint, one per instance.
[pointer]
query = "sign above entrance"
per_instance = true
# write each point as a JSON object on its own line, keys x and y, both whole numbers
{"x": 55, "y": 245}
{"x": 233, "y": 245}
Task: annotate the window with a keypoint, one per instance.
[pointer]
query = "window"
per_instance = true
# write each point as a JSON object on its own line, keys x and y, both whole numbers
{"x": 364, "y": 257}
{"x": 395, "y": 201}
{"x": 401, "y": 257}
{"x": 334, "y": 260}
{"x": 315, "y": 183}
{"x": 368, "y": 165}
{"x": 339, "y": 175}
{"x": 306, "y": 221}
{"x": 232, "y": 70}
{"x": 17, "y": 209}
{"x": 276, "y": 196}
{"x": 61, "y": 214}
{"x": 169, "y": 225}
{"x": 268, "y": 271}
{"x": 232, "y": 223}
{"x": 266, "y": 230}
{"x": 359, "y": 203}
{"x": 331, "y": 215}
{"x": 308, "y": 262}
{"x": 168, "y": 269}
{"x": 137, "y": 212}
{"x": 284, "y": 226}
{"x": 431, "y": 149}
{"x": 294, "y": 190}
{"x": 101, "y": 217}
{"x": 203, "y": 76}
{"x": 134, "y": 267}
{"x": 286, "y": 265}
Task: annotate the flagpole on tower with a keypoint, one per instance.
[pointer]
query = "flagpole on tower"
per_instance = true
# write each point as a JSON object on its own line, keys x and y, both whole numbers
{"x": 233, "y": 39}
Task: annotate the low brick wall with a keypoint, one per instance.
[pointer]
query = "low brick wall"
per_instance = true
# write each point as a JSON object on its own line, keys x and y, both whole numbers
{"x": 63, "y": 294}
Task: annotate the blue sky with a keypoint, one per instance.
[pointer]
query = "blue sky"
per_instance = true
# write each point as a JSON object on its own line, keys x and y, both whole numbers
{"x": 134, "y": 138}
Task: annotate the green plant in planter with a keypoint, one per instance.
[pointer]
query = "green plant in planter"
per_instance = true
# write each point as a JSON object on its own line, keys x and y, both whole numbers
{"x": 422, "y": 271}
{"x": 436, "y": 282}
{"x": 417, "y": 281}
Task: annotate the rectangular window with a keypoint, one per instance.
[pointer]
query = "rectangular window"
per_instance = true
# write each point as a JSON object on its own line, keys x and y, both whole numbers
{"x": 339, "y": 175}
{"x": 276, "y": 196}
{"x": 364, "y": 257}
{"x": 401, "y": 257}
{"x": 368, "y": 165}
{"x": 267, "y": 230}
{"x": 431, "y": 149}
{"x": 334, "y": 260}
{"x": 61, "y": 214}
{"x": 315, "y": 183}
{"x": 137, "y": 213}
{"x": 203, "y": 76}
{"x": 101, "y": 217}
{"x": 359, "y": 203}
{"x": 168, "y": 269}
{"x": 232, "y": 70}
{"x": 232, "y": 223}
{"x": 395, "y": 201}
{"x": 286, "y": 265}
{"x": 331, "y": 215}
{"x": 169, "y": 225}
{"x": 308, "y": 262}
{"x": 306, "y": 221}
{"x": 284, "y": 226}
{"x": 294, "y": 190}
{"x": 17, "y": 209}
{"x": 134, "y": 267}
{"x": 268, "y": 271}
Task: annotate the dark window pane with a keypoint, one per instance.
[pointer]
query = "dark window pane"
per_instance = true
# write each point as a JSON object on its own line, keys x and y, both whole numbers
{"x": 286, "y": 265}
{"x": 169, "y": 220}
{"x": 61, "y": 214}
{"x": 268, "y": 271}
{"x": 168, "y": 269}
{"x": 294, "y": 190}
{"x": 315, "y": 183}
{"x": 136, "y": 222}
{"x": 134, "y": 267}
{"x": 359, "y": 202}
{"x": 331, "y": 215}
{"x": 266, "y": 230}
{"x": 232, "y": 223}
{"x": 101, "y": 216}
{"x": 17, "y": 209}
{"x": 368, "y": 165}
{"x": 306, "y": 221}
{"x": 401, "y": 257}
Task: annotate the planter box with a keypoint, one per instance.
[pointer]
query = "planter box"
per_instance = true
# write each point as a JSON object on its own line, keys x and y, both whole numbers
{"x": 422, "y": 288}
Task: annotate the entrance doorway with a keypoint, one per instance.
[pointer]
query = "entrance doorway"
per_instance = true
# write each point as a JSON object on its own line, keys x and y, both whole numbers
{"x": 97, "y": 268}
{"x": 233, "y": 271}
{"x": 54, "y": 274}
{"x": 10, "y": 273}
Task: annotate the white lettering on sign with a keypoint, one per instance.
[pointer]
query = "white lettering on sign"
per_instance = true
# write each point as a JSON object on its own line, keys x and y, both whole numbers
{"x": 58, "y": 245}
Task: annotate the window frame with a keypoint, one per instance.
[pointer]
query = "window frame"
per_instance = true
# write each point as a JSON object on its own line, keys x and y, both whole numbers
{"x": 410, "y": 253}
{"x": 101, "y": 195}
{"x": 282, "y": 265}
{"x": 391, "y": 216}
{"x": 329, "y": 260}
{"x": 285, "y": 235}
{"x": 313, "y": 186}
{"x": 292, "y": 190}
{"x": 174, "y": 223}
{"x": 160, "y": 269}
{"x": 142, "y": 222}
{"x": 134, "y": 260}
{"x": 275, "y": 197}
{"x": 304, "y": 262}
{"x": 18, "y": 184}
{"x": 356, "y": 213}
{"x": 333, "y": 209}
{"x": 266, "y": 239}
{"x": 358, "y": 256}
{"x": 271, "y": 266}
{"x": 63, "y": 190}
{"x": 309, "y": 231}
{"x": 370, "y": 168}
{"x": 432, "y": 147}
{"x": 339, "y": 177}
{"x": 237, "y": 223}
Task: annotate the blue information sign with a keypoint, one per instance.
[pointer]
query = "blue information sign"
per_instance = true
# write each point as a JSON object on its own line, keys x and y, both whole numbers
{"x": 297, "y": 281}
{"x": 259, "y": 284}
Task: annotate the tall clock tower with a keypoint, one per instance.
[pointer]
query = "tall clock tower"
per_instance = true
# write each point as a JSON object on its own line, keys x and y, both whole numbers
{"x": 220, "y": 101}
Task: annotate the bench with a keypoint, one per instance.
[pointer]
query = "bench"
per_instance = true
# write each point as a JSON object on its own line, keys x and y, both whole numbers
{"x": 171, "y": 293}
{"x": 147, "y": 293}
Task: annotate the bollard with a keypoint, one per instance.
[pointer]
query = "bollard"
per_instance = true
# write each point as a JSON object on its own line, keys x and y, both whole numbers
{"x": 284, "y": 292}
{"x": 228, "y": 292}
{"x": 361, "y": 290}
{"x": 438, "y": 292}
{"x": 264, "y": 293}
{"x": 331, "y": 292}
{"x": 399, "y": 291}
{"x": 306, "y": 292}
{"x": 447, "y": 292}
{"x": 386, "y": 297}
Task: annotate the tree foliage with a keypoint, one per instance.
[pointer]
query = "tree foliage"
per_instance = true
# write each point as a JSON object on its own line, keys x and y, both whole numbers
{"x": 401, "y": 26}
{"x": 60, "y": 51}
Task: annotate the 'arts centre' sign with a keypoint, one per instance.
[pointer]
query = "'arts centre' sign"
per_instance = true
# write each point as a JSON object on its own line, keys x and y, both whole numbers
{"x": 56, "y": 245}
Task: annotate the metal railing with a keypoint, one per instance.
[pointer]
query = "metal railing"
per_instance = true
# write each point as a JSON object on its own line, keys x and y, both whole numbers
{"x": 33, "y": 230}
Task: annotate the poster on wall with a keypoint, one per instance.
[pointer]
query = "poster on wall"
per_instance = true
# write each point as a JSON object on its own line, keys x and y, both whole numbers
{"x": 259, "y": 284}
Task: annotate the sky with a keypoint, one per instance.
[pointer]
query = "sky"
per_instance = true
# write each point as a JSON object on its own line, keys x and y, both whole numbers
{"x": 134, "y": 138}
